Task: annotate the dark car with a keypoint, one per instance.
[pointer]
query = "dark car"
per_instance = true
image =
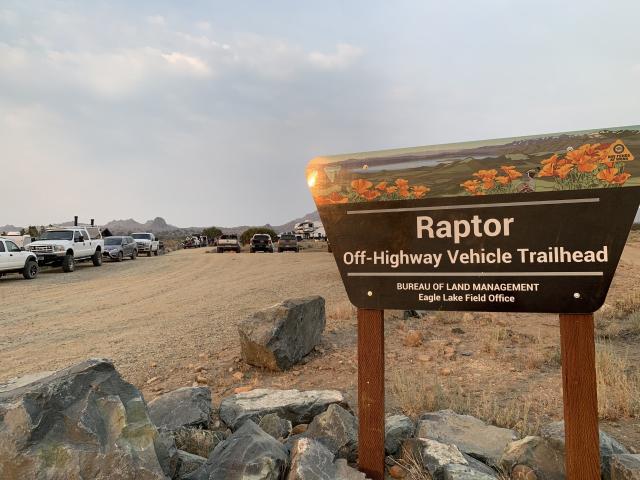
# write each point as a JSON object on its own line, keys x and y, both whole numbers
{"x": 261, "y": 242}
{"x": 117, "y": 248}
{"x": 288, "y": 242}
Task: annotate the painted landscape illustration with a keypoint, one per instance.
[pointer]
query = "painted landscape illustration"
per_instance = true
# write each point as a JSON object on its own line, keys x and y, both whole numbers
{"x": 563, "y": 161}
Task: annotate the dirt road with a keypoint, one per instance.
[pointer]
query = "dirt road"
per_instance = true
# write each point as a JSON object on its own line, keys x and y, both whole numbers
{"x": 163, "y": 310}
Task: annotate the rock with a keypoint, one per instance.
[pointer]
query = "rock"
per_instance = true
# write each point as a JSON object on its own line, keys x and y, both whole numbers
{"x": 522, "y": 472}
{"x": 280, "y": 336}
{"x": 397, "y": 429}
{"x": 478, "y": 465}
{"x": 300, "y": 428}
{"x": 184, "y": 407}
{"x": 535, "y": 453}
{"x": 277, "y": 427}
{"x": 345, "y": 472}
{"x": 464, "y": 472}
{"x": 249, "y": 453}
{"x": 396, "y": 471}
{"x": 297, "y": 407}
{"x": 336, "y": 429}
{"x": 432, "y": 455}
{"x": 310, "y": 460}
{"x": 625, "y": 467}
{"x": 413, "y": 338}
{"x": 553, "y": 433}
{"x": 471, "y": 435}
{"x": 81, "y": 422}
{"x": 167, "y": 453}
{"x": 188, "y": 462}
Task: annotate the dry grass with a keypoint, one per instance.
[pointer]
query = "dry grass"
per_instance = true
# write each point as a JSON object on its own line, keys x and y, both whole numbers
{"x": 422, "y": 392}
{"x": 341, "y": 311}
{"x": 618, "y": 385}
{"x": 495, "y": 341}
{"x": 446, "y": 318}
{"x": 197, "y": 441}
{"x": 537, "y": 357}
{"x": 412, "y": 466}
{"x": 620, "y": 319}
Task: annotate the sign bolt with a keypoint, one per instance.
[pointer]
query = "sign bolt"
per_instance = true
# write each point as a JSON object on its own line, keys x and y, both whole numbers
{"x": 370, "y": 293}
{"x": 576, "y": 295}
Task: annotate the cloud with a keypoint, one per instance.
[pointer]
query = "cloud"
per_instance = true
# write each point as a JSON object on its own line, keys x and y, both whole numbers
{"x": 344, "y": 56}
{"x": 12, "y": 58}
{"x": 157, "y": 20}
{"x": 187, "y": 63}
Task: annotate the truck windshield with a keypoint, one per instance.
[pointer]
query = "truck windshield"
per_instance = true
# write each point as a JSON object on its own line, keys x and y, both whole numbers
{"x": 113, "y": 241}
{"x": 141, "y": 236}
{"x": 229, "y": 237}
{"x": 288, "y": 237}
{"x": 57, "y": 235}
{"x": 262, "y": 237}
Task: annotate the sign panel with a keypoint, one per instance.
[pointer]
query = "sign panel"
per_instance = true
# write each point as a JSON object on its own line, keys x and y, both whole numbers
{"x": 529, "y": 224}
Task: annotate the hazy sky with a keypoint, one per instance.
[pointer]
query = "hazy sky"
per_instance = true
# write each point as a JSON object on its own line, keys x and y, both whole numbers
{"x": 206, "y": 113}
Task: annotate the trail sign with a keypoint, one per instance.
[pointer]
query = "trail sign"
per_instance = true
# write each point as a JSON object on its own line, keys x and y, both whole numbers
{"x": 528, "y": 224}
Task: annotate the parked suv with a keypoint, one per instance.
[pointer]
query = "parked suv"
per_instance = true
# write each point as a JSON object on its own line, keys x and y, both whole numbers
{"x": 65, "y": 246}
{"x": 228, "y": 242}
{"x": 261, "y": 242}
{"x": 116, "y": 248}
{"x": 14, "y": 259}
{"x": 288, "y": 241}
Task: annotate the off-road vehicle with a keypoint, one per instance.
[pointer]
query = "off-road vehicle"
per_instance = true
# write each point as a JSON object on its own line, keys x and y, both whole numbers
{"x": 228, "y": 242}
{"x": 14, "y": 259}
{"x": 65, "y": 246}
{"x": 261, "y": 242}
{"x": 147, "y": 243}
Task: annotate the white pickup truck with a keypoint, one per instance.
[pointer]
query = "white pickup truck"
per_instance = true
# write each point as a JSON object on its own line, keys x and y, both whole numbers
{"x": 147, "y": 243}
{"x": 13, "y": 259}
{"x": 65, "y": 246}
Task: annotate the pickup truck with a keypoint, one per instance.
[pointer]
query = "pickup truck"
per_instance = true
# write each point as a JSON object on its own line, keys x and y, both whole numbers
{"x": 147, "y": 243}
{"x": 65, "y": 246}
{"x": 14, "y": 259}
{"x": 228, "y": 242}
{"x": 261, "y": 242}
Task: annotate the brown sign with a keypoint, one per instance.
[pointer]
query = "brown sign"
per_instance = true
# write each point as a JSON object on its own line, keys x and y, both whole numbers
{"x": 532, "y": 224}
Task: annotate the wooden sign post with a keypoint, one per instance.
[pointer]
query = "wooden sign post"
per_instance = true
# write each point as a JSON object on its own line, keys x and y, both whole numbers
{"x": 580, "y": 397}
{"x": 371, "y": 392}
{"x": 531, "y": 224}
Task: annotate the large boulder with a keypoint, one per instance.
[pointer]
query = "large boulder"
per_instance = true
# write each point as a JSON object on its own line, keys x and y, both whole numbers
{"x": 184, "y": 407}
{"x": 278, "y": 428}
{"x": 432, "y": 455}
{"x": 397, "y": 428}
{"x": 293, "y": 405}
{"x": 280, "y": 336}
{"x": 625, "y": 467}
{"x": 248, "y": 454}
{"x": 188, "y": 463}
{"x": 534, "y": 452}
{"x": 336, "y": 429}
{"x": 310, "y": 460}
{"x": 81, "y": 422}
{"x": 471, "y": 435}
{"x": 553, "y": 434}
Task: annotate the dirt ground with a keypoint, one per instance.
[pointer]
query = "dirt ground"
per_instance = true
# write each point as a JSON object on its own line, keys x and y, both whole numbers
{"x": 171, "y": 321}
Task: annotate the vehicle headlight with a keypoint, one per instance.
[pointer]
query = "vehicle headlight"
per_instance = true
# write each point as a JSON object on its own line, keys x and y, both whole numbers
{"x": 58, "y": 248}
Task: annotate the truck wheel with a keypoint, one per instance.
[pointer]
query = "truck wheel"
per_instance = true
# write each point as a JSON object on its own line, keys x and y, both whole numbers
{"x": 279, "y": 250}
{"x": 149, "y": 253}
{"x": 238, "y": 250}
{"x": 220, "y": 250}
{"x": 120, "y": 257}
{"x": 96, "y": 258}
{"x": 31, "y": 270}
{"x": 155, "y": 253}
{"x": 134, "y": 255}
{"x": 68, "y": 264}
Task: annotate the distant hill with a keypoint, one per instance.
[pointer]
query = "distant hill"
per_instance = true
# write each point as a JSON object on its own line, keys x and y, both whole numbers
{"x": 9, "y": 228}
{"x": 160, "y": 227}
